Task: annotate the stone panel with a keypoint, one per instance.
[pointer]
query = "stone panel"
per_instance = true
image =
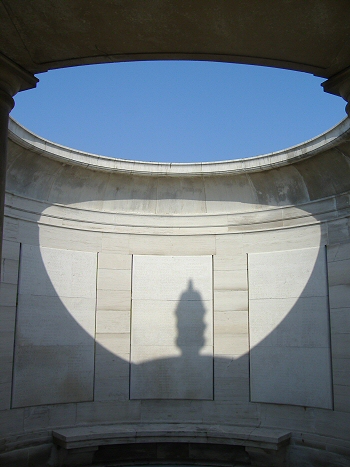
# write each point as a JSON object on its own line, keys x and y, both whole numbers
{"x": 172, "y": 326}
{"x": 289, "y": 331}
{"x": 339, "y": 299}
{"x": 54, "y": 346}
{"x": 8, "y": 297}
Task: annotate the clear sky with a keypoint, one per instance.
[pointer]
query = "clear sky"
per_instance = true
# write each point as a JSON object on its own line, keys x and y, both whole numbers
{"x": 177, "y": 111}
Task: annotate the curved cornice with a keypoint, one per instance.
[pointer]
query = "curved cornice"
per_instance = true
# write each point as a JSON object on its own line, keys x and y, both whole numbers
{"x": 37, "y": 144}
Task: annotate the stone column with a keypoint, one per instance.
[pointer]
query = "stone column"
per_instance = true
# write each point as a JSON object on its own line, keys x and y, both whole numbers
{"x": 12, "y": 80}
{"x": 339, "y": 85}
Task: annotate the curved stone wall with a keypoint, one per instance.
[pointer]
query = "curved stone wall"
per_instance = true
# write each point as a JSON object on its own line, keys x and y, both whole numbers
{"x": 187, "y": 298}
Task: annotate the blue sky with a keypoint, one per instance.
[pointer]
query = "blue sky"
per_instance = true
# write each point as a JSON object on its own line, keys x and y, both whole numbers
{"x": 177, "y": 111}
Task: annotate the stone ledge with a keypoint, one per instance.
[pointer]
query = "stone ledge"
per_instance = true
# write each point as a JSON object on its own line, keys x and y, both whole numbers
{"x": 169, "y": 443}
{"x": 89, "y": 436}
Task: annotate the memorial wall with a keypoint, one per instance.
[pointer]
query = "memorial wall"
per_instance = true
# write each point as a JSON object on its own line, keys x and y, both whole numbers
{"x": 178, "y": 300}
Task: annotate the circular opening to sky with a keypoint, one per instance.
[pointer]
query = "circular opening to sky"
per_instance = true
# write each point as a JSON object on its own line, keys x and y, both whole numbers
{"x": 177, "y": 111}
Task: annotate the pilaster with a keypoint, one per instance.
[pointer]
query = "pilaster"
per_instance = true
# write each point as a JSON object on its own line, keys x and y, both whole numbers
{"x": 12, "y": 80}
{"x": 339, "y": 85}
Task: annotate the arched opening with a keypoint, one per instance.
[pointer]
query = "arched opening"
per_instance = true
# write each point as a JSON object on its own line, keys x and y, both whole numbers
{"x": 178, "y": 111}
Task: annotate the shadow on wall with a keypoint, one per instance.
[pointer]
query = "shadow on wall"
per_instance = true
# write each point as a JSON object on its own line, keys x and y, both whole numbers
{"x": 58, "y": 361}
{"x": 188, "y": 376}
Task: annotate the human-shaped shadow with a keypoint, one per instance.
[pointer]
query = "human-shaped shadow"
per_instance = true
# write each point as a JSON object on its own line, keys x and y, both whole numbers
{"x": 190, "y": 314}
{"x": 189, "y": 376}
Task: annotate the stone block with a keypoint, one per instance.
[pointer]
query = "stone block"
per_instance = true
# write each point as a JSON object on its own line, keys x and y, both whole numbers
{"x": 112, "y": 388}
{"x": 289, "y": 322}
{"x": 65, "y": 239}
{"x": 341, "y": 398}
{"x": 6, "y": 369}
{"x": 11, "y": 228}
{"x": 48, "y": 320}
{"x": 161, "y": 411}
{"x": 286, "y": 239}
{"x": 339, "y": 272}
{"x": 111, "y": 375}
{"x": 168, "y": 277}
{"x": 108, "y": 412}
{"x": 8, "y": 318}
{"x": 287, "y": 274}
{"x": 62, "y": 415}
{"x": 292, "y": 383}
{"x": 231, "y": 323}
{"x": 338, "y": 231}
{"x": 341, "y": 371}
{"x": 11, "y": 422}
{"x": 230, "y": 245}
{"x": 36, "y": 418}
{"x": 114, "y": 279}
{"x": 339, "y": 296}
{"x": 6, "y": 345}
{"x": 53, "y": 374}
{"x": 338, "y": 252}
{"x": 225, "y": 344}
{"x": 230, "y": 300}
{"x": 163, "y": 375}
{"x": 340, "y": 321}
{"x": 8, "y": 294}
{"x": 117, "y": 344}
{"x": 114, "y": 300}
{"x": 112, "y": 322}
{"x": 231, "y": 389}
{"x": 63, "y": 273}
{"x": 177, "y": 245}
{"x": 114, "y": 261}
{"x": 5, "y": 395}
{"x": 341, "y": 346}
{"x": 231, "y": 366}
{"x": 10, "y": 250}
{"x": 230, "y": 262}
{"x": 9, "y": 271}
{"x": 230, "y": 280}
{"x": 162, "y": 316}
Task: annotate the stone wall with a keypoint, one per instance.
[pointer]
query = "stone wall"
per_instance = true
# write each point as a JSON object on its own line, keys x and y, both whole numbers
{"x": 185, "y": 295}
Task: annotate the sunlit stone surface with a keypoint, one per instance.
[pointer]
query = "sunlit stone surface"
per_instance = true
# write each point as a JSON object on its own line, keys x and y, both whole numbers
{"x": 172, "y": 328}
{"x": 289, "y": 324}
{"x": 138, "y": 312}
{"x": 54, "y": 342}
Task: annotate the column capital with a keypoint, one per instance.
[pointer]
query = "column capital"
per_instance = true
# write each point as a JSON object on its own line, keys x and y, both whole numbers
{"x": 339, "y": 85}
{"x": 13, "y": 78}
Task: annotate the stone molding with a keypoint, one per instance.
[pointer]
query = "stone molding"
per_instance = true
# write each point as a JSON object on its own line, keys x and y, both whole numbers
{"x": 326, "y": 140}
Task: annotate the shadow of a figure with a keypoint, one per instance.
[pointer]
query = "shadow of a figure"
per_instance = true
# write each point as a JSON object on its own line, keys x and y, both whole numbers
{"x": 189, "y": 376}
{"x": 190, "y": 314}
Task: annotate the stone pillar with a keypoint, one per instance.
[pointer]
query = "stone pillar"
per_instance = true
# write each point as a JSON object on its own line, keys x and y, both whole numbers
{"x": 12, "y": 80}
{"x": 339, "y": 85}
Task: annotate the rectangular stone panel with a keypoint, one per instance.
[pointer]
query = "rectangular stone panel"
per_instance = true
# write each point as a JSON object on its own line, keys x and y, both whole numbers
{"x": 172, "y": 328}
{"x": 339, "y": 301}
{"x": 55, "y": 327}
{"x": 290, "y": 361}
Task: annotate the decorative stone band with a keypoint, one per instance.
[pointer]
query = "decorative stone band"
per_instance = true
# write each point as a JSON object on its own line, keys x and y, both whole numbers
{"x": 82, "y": 444}
{"x": 327, "y": 140}
{"x": 79, "y": 437}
